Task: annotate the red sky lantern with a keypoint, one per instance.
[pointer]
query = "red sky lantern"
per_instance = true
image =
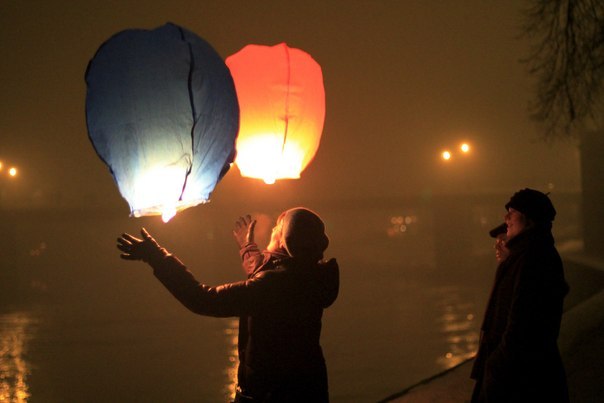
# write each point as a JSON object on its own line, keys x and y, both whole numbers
{"x": 282, "y": 110}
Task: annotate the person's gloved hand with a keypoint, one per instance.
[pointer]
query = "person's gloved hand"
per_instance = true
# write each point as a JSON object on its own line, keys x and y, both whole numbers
{"x": 244, "y": 230}
{"x": 146, "y": 249}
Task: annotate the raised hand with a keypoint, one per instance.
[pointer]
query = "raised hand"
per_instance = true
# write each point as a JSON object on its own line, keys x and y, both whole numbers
{"x": 134, "y": 248}
{"x": 244, "y": 230}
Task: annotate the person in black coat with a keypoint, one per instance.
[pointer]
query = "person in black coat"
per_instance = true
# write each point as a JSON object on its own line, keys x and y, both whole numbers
{"x": 280, "y": 305}
{"x": 518, "y": 358}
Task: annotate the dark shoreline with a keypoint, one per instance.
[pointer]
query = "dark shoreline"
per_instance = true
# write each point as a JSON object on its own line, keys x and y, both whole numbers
{"x": 581, "y": 343}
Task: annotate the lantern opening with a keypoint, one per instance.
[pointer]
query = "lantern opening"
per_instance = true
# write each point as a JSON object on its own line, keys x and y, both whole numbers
{"x": 266, "y": 157}
{"x": 156, "y": 189}
{"x": 168, "y": 213}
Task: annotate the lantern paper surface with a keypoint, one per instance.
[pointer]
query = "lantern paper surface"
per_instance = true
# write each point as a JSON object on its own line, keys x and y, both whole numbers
{"x": 162, "y": 113}
{"x": 282, "y": 101}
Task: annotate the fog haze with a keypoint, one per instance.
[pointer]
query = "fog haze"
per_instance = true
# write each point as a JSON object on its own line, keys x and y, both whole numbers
{"x": 403, "y": 81}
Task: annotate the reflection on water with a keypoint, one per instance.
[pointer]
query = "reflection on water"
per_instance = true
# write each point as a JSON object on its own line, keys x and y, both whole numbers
{"x": 403, "y": 331}
{"x": 457, "y": 324}
{"x": 15, "y": 333}
{"x": 231, "y": 335}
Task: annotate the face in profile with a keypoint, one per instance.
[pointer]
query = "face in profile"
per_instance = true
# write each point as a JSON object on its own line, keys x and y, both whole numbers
{"x": 501, "y": 251}
{"x": 515, "y": 221}
{"x": 275, "y": 242}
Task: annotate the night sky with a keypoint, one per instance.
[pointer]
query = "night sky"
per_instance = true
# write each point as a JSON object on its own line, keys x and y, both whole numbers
{"x": 403, "y": 80}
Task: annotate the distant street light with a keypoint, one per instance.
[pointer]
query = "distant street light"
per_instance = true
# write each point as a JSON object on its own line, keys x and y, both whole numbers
{"x": 464, "y": 148}
{"x": 10, "y": 172}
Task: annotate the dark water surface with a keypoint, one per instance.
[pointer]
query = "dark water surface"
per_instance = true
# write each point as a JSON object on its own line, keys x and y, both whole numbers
{"x": 385, "y": 335}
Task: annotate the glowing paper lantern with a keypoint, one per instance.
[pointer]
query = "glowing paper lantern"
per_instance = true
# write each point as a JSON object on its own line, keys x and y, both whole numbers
{"x": 282, "y": 101}
{"x": 162, "y": 113}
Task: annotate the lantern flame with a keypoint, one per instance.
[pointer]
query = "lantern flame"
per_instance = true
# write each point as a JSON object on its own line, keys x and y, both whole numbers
{"x": 154, "y": 187}
{"x": 168, "y": 213}
{"x": 266, "y": 157}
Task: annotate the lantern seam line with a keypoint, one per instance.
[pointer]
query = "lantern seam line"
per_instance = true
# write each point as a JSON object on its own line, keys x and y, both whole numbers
{"x": 193, "y": 111}
{"x": 286, "y": 101}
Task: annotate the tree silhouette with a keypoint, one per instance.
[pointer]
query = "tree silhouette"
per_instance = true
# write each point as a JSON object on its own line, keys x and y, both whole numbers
{"x": 567, "y": 60}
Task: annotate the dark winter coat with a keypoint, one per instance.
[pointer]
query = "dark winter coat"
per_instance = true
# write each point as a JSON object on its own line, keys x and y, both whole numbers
{"x": 280, "y": 307}
{"x": 518, "y": 358}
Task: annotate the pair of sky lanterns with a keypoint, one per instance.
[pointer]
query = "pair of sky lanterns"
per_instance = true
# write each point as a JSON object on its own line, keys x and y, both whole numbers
{"x": 168, "y": 116}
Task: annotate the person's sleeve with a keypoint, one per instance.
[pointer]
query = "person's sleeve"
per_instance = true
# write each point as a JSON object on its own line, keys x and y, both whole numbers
{"x": 331, "y": 282}
{"x": 232, "y": 299}
{"x": 251, "y": 258}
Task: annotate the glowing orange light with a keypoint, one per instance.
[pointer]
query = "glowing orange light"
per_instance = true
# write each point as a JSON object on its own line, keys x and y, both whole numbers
{"x": 465, "y": 147}
{"x": 158, "y": 184}
{"x": 12, "y": 171}
{"x": 282, "y": 110}
{"x": 446, "y": 155}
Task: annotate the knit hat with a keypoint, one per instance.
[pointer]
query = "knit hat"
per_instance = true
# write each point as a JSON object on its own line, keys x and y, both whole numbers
{"x": 534, "y": 205}
{"x": 303, "y": 233}
{"x": 500, "y": 229}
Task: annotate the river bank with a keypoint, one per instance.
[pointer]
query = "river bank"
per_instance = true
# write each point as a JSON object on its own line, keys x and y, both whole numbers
{"x": 581, "y": 344}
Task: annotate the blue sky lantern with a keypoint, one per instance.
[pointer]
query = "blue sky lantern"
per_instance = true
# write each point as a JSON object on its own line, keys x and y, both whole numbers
{"x": 162, "y": 113}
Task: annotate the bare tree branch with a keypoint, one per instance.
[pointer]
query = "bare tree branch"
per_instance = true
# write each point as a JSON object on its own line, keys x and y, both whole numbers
{"x": 567, "y": 59}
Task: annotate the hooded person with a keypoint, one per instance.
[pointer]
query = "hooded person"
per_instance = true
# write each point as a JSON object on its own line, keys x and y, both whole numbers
{"x": 303, "y": 234}
{"x": 518, "y": 358}
{"x": 280, "y": 304}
